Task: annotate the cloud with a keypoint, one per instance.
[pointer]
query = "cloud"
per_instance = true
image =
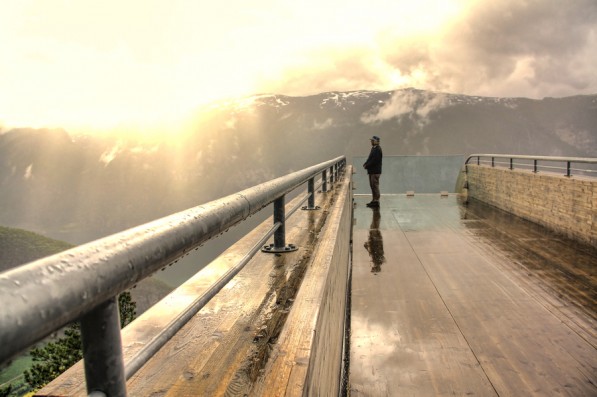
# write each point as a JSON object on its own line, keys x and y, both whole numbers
{"x": 330, "y": 69}
{"x": 110, "y": 154}
{"x": 416, "y": 105}
{"x": 532, "y": 48}
{"x": 323, "y": 125}
{"x": 105, "y": 65}
{"x": 28, "y": 172}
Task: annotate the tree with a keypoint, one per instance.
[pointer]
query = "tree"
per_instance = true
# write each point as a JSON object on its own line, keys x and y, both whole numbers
{"x": 127, "y": 307}
{"x": 5, "y": 391}
{"x": 56, "y": 357}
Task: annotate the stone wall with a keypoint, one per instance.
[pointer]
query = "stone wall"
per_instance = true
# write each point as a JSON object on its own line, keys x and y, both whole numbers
{"x": 567, "y": 205}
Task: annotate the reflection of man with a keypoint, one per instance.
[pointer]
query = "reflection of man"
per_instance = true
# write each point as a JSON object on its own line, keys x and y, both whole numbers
{"x": 374, "y": 245}
{"x": 373, "y": 167}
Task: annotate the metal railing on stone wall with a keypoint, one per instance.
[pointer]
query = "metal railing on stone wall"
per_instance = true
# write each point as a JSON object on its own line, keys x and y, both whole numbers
{"x": 83, "y": 283}
{"x": 566, "y": 165}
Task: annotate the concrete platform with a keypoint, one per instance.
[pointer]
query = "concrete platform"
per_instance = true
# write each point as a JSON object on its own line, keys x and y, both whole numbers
{"x": 453, "y": 299}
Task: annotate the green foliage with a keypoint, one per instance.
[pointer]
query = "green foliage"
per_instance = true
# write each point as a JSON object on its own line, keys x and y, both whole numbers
{"x": 15, "y": 369}
{"x": 5, "y": 391}
{"x": 18, "y": 247}
{"x": 16, "y": 388}
{"x": 12, "y": 376}
{"x": 56, "y": 357}
{"x": 127, "y": 307}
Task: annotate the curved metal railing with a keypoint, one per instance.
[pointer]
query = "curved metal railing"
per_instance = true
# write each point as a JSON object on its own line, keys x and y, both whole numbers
{"x": 83, "y": 283}
{"x": 537, "y": 163}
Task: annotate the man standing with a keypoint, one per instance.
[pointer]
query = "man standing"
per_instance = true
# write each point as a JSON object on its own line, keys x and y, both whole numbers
{"x": 373, "y": 167}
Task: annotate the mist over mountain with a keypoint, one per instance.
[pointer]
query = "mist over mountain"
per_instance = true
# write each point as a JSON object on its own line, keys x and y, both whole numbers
{"x": 79, "y": 188}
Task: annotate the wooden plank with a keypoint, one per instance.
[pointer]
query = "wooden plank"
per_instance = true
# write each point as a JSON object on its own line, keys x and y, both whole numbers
{"x": 559, "y": 273}
{"x": 222, "y": 349}
{"x": 228, "y": 359}
{"x": 523, "y": 348}
{"x": 442, "y": 255}
{"x": 404, "y": 341}
{"x": 307, "y": 357}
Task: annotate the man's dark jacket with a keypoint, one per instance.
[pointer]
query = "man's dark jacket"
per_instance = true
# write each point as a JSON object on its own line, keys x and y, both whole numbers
{"x": 373, "y": 163}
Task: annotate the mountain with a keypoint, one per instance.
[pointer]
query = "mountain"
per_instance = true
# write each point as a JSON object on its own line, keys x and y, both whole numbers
{"x": 79, "y": 188}
{"x": 20, "y": 246}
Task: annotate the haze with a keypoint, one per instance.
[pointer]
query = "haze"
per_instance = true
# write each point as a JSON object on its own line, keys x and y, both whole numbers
{"x": 91, "y": 66}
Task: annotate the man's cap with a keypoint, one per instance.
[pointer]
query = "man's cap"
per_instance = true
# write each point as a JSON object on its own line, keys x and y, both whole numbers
{"x": 375, "y": 138}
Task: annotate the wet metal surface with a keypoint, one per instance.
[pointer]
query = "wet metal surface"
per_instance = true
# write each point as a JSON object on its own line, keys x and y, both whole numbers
{"x": 460, "y": 299}
{"x": 223, "y": 349}
{"x": 78, "y": 280}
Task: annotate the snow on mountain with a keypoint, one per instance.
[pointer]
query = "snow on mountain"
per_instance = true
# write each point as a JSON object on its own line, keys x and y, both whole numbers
{"x": 80, "y": 188}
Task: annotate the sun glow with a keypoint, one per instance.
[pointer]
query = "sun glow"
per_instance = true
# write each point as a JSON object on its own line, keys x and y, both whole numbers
{"x": 92, "y": 66}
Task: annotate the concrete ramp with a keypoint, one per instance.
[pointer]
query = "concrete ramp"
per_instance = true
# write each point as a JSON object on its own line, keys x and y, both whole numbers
{"x": 449, "y": 299}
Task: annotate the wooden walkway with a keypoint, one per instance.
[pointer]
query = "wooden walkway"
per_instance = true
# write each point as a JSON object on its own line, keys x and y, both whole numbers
{"x": 467, "y": 300}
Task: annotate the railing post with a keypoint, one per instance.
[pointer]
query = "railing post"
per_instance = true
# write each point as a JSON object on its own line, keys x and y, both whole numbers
{"x": 102, "y": 350}
{"x": 331, "y": 175}
{"x": 478, "y": 160}
{"x": 568, "y": 169}
{"x": 279, "y": 244}
{"x": 311, "y": 191}
{"x": 535, "y": 165}
{"x": 511, "y": 163}
{"x": 324, "y": 179}
{"x": 280, "y": 216}
{"x": 493, "y": 162}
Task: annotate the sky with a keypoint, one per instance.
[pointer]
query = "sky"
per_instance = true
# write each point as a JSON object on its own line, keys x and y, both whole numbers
{"x": 96, "y": 65}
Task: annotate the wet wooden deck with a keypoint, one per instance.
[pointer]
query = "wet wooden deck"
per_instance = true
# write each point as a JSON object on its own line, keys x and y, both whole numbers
{"x": 467, "y": 300}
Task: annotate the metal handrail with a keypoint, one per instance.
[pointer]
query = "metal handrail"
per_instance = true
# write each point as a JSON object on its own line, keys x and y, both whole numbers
{"x": 568, "y": 160}
{"x": 82, "y": 283}
{"x": 141, "y": 357}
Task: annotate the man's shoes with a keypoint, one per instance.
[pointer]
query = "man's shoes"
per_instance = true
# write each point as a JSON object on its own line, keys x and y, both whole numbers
{"x": 373, "y": 204}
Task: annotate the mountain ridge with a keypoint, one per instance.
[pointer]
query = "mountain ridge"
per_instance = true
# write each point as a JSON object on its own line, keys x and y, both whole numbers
{"x": 81, "y": 187}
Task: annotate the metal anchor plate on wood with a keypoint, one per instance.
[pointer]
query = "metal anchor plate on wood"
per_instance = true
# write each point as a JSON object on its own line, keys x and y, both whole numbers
{"x": 276, "y": 250}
